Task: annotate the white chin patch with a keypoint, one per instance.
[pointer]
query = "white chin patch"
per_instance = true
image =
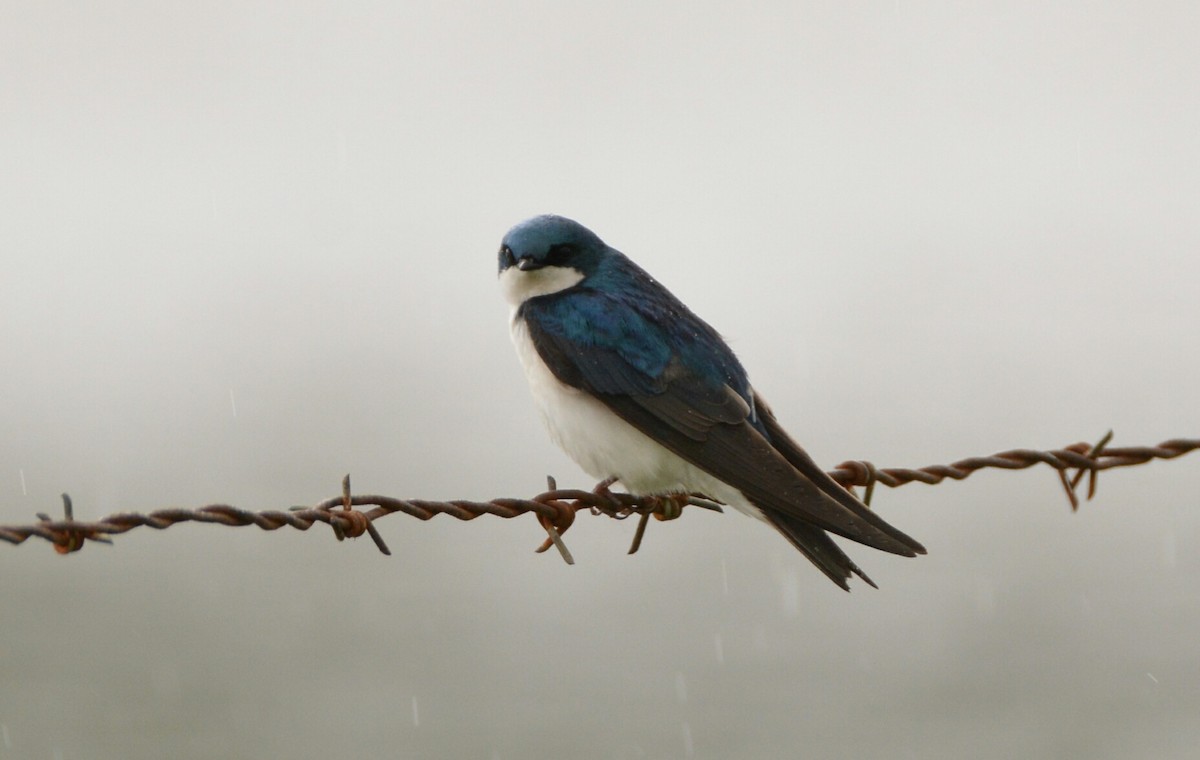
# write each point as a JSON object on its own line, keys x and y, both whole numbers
{"x": 519, "y": 285}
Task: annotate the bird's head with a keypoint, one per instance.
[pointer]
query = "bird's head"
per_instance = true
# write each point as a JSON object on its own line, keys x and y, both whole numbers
{"x": 547, "y": 254}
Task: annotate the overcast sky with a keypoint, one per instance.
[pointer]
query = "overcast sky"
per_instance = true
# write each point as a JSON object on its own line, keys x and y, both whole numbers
{"x": 246, "y": 248}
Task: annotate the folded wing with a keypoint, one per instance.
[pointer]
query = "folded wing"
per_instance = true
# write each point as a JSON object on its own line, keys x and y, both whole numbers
{"x": 712, "y": 426}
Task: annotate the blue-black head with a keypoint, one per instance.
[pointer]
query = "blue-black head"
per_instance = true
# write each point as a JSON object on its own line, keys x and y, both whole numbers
{"x": 547, "y": 254}
{"x": 550, "y": 240}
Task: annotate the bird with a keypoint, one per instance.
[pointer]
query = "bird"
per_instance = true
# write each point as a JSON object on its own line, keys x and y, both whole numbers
{"x": 635, "y": 387}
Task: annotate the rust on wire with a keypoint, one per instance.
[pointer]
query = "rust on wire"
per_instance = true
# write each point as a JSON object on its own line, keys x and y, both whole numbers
{"x": 352, "y": 523}
{"x": 1092, "y": 454}
{"x": 72, "y": 536}
{"x": 557, "y": 526}
{"x": 556, "y": 508}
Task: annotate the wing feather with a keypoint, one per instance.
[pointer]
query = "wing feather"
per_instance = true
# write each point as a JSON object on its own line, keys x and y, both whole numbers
{"x": 709, "y": 424}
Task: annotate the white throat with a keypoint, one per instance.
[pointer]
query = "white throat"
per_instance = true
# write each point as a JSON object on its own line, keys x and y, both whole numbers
{"x": 519, "y": 285}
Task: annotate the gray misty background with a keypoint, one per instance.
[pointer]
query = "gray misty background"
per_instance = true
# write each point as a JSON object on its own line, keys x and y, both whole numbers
{"x": 247, "y": 248}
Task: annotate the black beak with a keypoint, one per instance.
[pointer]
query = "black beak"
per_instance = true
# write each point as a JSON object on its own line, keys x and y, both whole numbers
{"x": 526, "y": 264}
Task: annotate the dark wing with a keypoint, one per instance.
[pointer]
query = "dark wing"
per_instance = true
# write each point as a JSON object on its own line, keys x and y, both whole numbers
{"x": 804, "y": 464}
{"x": 709, "y": 425}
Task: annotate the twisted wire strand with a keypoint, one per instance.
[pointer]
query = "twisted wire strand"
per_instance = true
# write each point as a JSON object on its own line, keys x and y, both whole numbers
{"x": 555, "y": 508}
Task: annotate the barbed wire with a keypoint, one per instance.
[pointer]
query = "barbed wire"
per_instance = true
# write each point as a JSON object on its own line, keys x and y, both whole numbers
{"x": 556, "y": 508}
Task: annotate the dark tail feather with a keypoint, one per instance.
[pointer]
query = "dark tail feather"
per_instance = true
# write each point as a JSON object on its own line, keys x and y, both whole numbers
{"x": 888, "y": 538}
{"x": 820, "y": 549}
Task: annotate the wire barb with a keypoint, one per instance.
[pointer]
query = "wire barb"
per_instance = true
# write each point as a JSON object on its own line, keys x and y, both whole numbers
{"x": 556, "y": 508}
{"x": 67, "y": 535}
{"x": 555, "y": 527}
{"x": 1092, "y": 454}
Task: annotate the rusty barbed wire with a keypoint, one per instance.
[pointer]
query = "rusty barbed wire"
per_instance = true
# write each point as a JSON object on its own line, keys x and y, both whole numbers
{"x": 556, "y": 508}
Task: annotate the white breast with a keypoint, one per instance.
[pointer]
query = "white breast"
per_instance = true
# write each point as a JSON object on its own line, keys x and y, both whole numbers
{"x": 603, "y": 444}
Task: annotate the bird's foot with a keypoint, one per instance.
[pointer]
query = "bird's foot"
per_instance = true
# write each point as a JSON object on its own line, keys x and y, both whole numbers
{"x": 613, "y": 506}
{"x": 665, "y": 507}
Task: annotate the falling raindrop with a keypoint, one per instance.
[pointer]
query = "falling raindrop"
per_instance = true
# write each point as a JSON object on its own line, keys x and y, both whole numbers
{"x": 1151, "y": 677}
{"x": 23, "y": 491}
{"x": 1169, "y": 550}
{"x": 680, "y": 688}
{"x": 719, "y": 645}
{"x": 688, "y": 749}
{"x": 724, "y": 576}
{"x": 416, "y": 713}
{"x": 232, "y": 403}
{"x": 4, "y": 736}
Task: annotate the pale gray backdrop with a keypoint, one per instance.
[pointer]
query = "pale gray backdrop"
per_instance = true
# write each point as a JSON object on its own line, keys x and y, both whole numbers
{"x": 249, "y": 247}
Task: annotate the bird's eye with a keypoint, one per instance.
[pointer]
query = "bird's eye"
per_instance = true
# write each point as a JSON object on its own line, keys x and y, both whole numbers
{"x": 560, "y": 254}
{"x": 506, "y": 257}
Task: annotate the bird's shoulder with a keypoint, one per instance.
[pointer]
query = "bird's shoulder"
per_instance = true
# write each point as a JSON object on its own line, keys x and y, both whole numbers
{"x": 637, "y": 339}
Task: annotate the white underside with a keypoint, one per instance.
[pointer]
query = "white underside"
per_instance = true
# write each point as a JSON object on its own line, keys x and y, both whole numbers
{"x": 606, "y": 446}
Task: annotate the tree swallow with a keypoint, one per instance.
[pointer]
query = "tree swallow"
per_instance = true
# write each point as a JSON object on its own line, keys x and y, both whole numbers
{"x": 634, "y": 386}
